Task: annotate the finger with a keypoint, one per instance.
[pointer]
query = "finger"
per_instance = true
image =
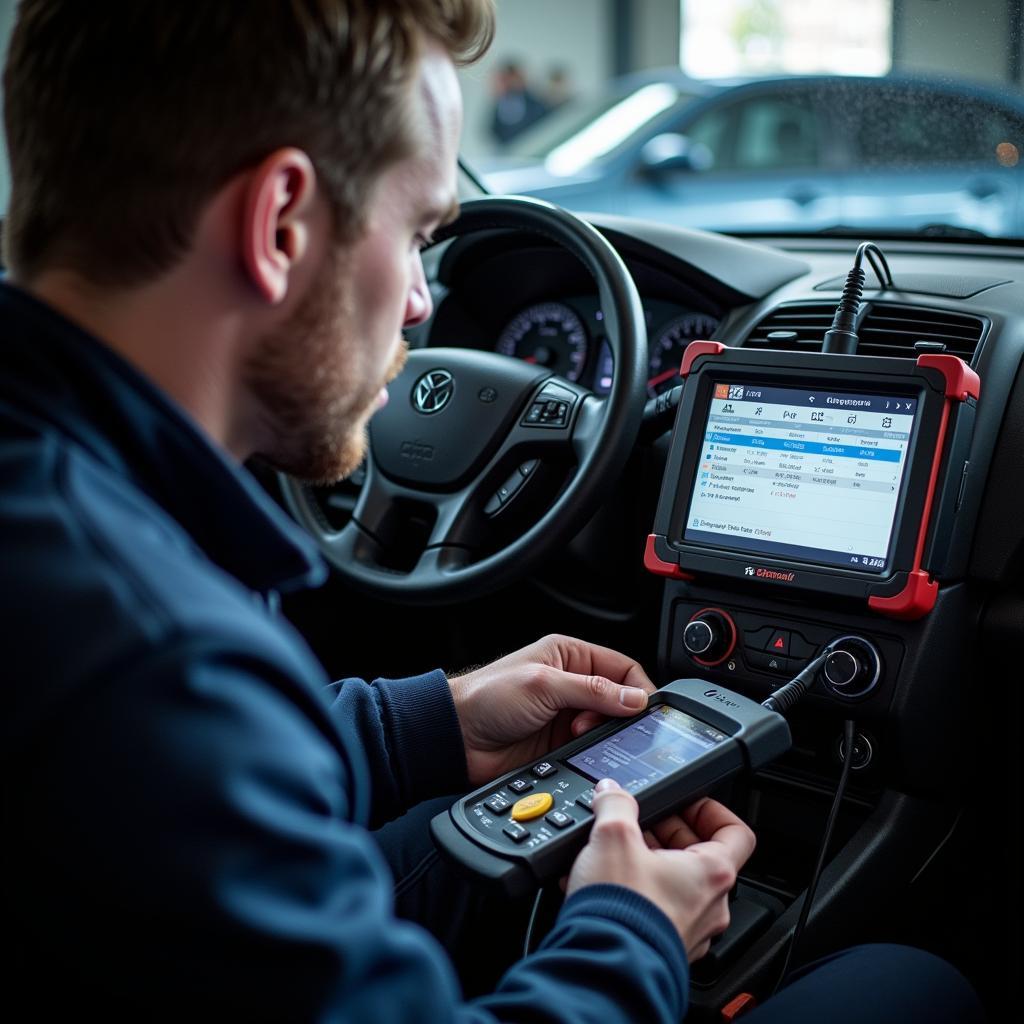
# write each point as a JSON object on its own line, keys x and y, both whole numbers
{"x": 616, "y": 815}
{"x": 585, "y": 658}
{"x": 593, "y": 693}
{"x": 714, "y": 822}
{"x": 674, "y": 834}
{"x": 649, "y": 839}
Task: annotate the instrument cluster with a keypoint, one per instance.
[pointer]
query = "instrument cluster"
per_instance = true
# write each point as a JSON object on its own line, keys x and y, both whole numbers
{"x": 568, "y": 337}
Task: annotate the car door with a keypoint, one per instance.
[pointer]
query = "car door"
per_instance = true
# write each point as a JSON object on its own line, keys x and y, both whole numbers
{"x": 921, "y": 155}
{"x": 760, "y": 160}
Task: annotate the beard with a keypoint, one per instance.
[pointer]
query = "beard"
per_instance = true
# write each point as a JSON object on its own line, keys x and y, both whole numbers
{"x": 316, "y": 383}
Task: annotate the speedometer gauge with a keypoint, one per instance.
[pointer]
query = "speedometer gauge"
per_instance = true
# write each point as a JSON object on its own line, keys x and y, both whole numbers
{"x": 666, "y": 352}
{"x": 550, "y": 335}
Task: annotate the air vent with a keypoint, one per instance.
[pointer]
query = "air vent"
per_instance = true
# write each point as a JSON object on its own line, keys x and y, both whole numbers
{"x": 795, "y": 327}
{"x": 891, "y": 330}
{"x": 885, "y": 330}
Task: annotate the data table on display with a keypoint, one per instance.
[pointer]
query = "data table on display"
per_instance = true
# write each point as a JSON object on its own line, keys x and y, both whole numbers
{"x": 809, "y": 473}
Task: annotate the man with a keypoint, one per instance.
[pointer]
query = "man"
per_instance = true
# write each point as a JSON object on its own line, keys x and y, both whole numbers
{"x": 213, "y": 242}
{"x": 516, "y": 106}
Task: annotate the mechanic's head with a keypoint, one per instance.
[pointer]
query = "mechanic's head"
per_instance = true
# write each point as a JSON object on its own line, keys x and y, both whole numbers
{"x": 290, "y": 156}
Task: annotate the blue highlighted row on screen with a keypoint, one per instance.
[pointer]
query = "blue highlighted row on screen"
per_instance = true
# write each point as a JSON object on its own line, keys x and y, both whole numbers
{"x": 810, "y": 447}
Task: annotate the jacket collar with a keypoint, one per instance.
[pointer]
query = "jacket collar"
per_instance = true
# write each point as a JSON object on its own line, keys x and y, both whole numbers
{"x": 63, "y": 376}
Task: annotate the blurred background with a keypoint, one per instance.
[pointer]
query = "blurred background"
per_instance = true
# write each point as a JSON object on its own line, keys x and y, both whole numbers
{"x": 752, "y": 115}
{"x": 590, "y": 42}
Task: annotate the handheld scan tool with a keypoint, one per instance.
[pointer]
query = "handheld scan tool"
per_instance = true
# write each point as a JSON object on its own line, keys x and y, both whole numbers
{"x": 525, "y": 828}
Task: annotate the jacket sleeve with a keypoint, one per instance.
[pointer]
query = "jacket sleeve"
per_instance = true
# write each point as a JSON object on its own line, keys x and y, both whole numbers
{"x": 409, "y": 732}
{"x": 193, "y": 856}
{"x": 611, "y": 956}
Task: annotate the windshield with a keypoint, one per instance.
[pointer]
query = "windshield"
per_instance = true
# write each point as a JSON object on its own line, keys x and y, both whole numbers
{"x": 760, "y": 116}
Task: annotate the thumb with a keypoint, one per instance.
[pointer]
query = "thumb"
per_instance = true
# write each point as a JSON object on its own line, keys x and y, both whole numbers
{"x": 616, "y": 815}
{"x": 597, "y": 693}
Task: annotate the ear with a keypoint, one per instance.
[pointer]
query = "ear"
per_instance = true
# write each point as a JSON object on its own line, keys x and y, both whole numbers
{"x": 275, "y": 233}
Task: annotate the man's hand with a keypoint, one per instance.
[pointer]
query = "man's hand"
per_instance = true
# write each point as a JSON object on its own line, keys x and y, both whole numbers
{"x": 523, "y": 706}
{"x": 686, "y": 865}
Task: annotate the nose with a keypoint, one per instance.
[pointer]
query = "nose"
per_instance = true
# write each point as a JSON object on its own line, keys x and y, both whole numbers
{"x": 419, "y": 305}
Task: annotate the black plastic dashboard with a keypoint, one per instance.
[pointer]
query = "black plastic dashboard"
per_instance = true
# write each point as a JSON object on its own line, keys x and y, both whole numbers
{"x": 967, "y": 298}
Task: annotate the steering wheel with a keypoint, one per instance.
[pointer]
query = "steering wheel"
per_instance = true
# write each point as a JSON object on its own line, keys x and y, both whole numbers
{"x": 467, "y": 434}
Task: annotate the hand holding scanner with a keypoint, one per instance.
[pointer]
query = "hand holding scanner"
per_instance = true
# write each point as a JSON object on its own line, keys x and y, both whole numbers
{"x": 525, "y": 828}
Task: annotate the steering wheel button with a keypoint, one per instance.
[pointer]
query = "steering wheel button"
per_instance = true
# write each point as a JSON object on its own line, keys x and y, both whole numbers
{"x": 530, "y": 807}
{"x": 510, "y": 486}
{"x": 544, "y": 769}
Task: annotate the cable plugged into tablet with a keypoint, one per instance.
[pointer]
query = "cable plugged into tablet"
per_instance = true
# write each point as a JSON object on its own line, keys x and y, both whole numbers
{"x": 842, "y": 336}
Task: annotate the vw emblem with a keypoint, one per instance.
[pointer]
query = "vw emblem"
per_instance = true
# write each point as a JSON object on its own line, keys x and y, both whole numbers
{"x": 433, "y": 391}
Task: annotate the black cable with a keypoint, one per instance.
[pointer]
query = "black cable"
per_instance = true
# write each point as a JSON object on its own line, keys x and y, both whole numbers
{"x": 849, "y": 732}
{"x": 842, "y": 335}
{"x": 879, "y": 264}
{"x": 533, "y": 920}
{"x": 785, "y": 697}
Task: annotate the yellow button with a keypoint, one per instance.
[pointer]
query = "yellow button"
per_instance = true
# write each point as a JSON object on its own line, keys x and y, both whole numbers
{"x": 532, "y": 806}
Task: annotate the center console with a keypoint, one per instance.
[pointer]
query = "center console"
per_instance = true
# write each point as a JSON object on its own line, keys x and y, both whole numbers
{"x": 814, "y": 499}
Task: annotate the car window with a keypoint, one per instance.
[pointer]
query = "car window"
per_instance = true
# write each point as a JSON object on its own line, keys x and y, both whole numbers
{"x": 841, "y": 92}
{"x": 913, "y": 129}
{"x": 715, "y": 131}
{"x": 766, "y": 133}
{"x": 775, "y": 134}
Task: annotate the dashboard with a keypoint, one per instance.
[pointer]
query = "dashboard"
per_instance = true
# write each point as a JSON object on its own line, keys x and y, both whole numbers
{"x": 908, "y": 680}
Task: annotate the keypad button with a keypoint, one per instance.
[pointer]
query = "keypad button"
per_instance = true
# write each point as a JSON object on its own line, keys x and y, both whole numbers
{"x": 521, "y": 785}
{"x": 560, "y": 819}
{"x": 497, "y": 803}
{"x": 530, "y": 807}
{"x": 586, "y": 799}
{"x": 516, "y": 832}
{"x": 544, "y": 769}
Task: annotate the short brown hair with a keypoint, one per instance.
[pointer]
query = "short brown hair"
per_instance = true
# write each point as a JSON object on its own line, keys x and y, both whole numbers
{"x": 124, "y": 117}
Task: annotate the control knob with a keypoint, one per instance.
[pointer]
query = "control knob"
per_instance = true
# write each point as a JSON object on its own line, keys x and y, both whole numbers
{"x": 854, "y": 667}
{"x": 710, "y": 636}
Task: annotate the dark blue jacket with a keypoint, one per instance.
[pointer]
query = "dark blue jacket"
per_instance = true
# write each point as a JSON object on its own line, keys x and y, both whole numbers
{"x": 186, "y": 796}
